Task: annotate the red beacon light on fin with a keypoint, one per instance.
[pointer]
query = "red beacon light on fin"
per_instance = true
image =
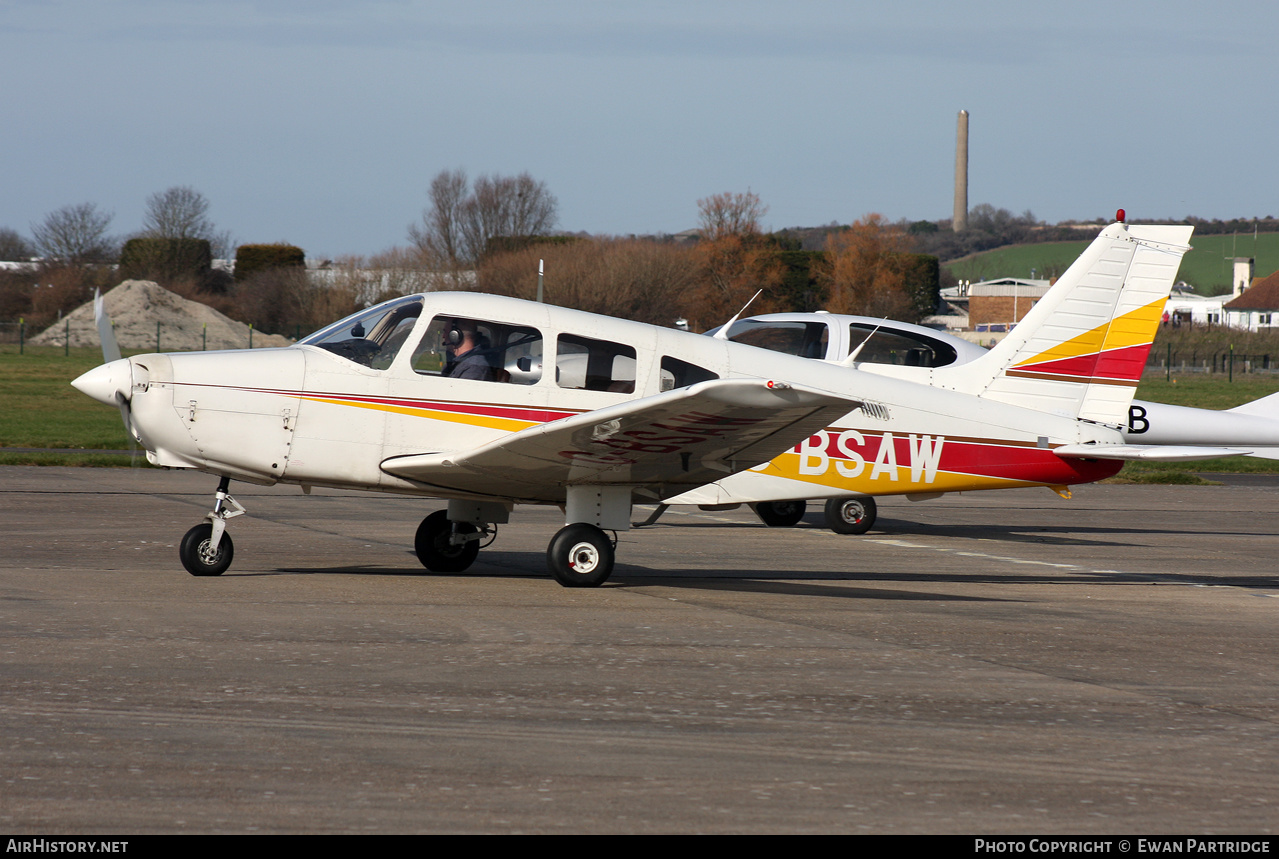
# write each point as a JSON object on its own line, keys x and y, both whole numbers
{"x": 1120, "y": 216}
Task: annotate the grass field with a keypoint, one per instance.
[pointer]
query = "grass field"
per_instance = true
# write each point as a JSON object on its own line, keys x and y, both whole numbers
{"x": 1207, "y": 266}
{"x": 40, "y": 409}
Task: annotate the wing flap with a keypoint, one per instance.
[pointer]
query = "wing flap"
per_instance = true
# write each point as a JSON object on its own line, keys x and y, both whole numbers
{"x": 686, "y": 437}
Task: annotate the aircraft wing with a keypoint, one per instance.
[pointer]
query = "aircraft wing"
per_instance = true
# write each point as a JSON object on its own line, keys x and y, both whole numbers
{"x": 681, "y": 438}
{"x": 1148, "y": 452}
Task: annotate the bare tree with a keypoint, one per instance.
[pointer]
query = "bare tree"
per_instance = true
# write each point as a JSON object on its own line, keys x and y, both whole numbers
{"x": 181, "y": 212}
{"x": 457, "y": 227}
{"x": 730, "y": 214}
{"x": 75, "y": 234}
{"x": 439, "y": 236}
{"x": 13, "y": 247}
{"x": 628, "y": 278}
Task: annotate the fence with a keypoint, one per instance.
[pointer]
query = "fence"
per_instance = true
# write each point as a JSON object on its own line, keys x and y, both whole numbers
{"x": 1210, "y": 361}
{"x": 17, "y": 336}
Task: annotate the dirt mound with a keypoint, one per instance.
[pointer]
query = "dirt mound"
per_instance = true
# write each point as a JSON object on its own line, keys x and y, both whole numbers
{"x": 136, "y": 306}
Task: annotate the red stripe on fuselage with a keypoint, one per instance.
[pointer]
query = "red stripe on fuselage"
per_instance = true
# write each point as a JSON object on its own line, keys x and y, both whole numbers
{"x": 984, "y": 458}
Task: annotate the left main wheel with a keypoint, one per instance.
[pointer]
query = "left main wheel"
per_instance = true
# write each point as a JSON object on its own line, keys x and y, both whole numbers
{"x": 435, "y": 551}
{"x": 197, "y": 556}
{"x": 781, "y": 514}
{"x": 580, "y": 556}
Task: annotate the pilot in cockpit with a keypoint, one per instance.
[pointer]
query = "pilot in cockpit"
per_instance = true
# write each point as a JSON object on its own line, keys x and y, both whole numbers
{"x": 467, "y": 352}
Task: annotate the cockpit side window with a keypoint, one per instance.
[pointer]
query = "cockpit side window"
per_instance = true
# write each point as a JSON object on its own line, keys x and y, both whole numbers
{"x": 899, "y": 347}
{"x": 479, "y": 350}
{"x": 680, "y": 374}
{"x": 805, "y": 339}
{"x": 373, "y": 337}
{"x": 583, "y": 363}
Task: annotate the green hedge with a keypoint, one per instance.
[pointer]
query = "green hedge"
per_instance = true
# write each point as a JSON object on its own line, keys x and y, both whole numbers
{"x": 251, "y": 259}
{"x": 165, "y": 260}
{"x": 923, "y": 282}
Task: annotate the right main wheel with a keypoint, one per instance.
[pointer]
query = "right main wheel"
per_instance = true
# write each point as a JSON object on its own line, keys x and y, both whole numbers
{"x": 850, "y": 515}
{"x": 580, "y": 556}
{"x": 435, "y": 551}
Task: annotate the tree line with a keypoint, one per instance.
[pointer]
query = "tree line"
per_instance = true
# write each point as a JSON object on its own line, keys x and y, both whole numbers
{"x": 489, "y": 235}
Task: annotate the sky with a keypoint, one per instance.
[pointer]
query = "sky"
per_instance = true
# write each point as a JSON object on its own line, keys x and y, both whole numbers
{"x": 322, "y": 123}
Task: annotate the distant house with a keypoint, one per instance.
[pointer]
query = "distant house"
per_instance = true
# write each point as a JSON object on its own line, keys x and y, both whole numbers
{"x": 997, "y": 305}
{"x": 1186, "y": 307}
{"x": 1257, "y": 309}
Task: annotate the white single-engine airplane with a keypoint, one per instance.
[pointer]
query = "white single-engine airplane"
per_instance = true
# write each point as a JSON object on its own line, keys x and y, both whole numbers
{"x": 1152, "y": 431}
{"x": 489, "y": 402}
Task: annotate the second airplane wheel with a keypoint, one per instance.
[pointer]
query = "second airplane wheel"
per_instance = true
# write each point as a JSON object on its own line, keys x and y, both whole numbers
{"x": 780, "y": 514}
{"x": 580, "y": 556}
{"x": 197, "y": 556}
{"x": 850, "y": 515}
{"x": 435, "y": 551}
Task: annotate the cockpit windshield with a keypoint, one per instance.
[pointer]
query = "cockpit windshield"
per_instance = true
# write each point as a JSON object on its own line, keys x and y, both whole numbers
{"x": 805, "y": 339}
{"x": 371, "y": 337}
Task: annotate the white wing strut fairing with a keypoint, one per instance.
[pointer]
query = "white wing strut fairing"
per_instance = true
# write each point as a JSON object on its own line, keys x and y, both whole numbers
{"x": 684, "y": 437}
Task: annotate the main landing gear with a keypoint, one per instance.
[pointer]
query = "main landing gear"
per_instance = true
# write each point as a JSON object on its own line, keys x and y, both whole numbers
{"x": 780, "y": 514}
{"x": 206, "y": 550}
{"x": 579, "y": 556}
{"x": 849, "y": 515}
{"x": 444, "y": 546}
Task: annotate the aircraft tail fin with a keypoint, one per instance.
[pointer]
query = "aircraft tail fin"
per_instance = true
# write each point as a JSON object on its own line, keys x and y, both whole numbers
{"x": 1081, "y": 349}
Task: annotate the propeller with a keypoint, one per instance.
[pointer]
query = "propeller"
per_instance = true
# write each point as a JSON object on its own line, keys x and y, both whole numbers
{"x": 112, "y": 382}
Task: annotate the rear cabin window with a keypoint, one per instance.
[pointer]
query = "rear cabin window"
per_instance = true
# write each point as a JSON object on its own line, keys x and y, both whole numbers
{"x": 680, "y": 374}
{"x": 899, "y": 347}
{"x": 483, "y": 351}
{"x": 584, "y": 364}
{"x": 805, "y": 339}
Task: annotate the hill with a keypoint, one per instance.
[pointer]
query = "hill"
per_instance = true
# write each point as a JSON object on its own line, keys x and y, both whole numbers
{"x": 1207, "y": 267}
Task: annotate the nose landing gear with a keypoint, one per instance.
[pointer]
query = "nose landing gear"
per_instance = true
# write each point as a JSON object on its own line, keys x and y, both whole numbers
{"x": 207, "y": 550}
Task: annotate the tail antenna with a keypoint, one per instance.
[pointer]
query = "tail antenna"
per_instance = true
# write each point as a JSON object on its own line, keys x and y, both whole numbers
{"x": 722, "y": 334}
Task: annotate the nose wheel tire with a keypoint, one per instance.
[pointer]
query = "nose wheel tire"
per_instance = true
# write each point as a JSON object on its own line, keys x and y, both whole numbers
{"x": 197, "y": 555}
{"x": 435, "y": 551}
{"x": 580, "y": 556}
{"x": 850, "y": 515}
{"x": 780, "y": 514}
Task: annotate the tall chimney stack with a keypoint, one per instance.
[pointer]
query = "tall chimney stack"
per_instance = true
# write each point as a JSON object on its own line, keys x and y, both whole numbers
{"x": 960, "y": 219}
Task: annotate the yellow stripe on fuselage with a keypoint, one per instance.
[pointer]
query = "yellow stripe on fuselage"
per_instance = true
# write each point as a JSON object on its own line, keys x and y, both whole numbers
{"x": 487, "y": 421}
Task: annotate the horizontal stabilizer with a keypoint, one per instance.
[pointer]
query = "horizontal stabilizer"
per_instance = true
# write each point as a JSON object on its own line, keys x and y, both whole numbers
{"x": 1266, "y": 407}
{"x": 1147, "y": 452}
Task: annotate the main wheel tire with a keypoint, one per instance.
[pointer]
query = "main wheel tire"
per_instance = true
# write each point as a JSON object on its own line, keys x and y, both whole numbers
{"x": 780, "y": 514}
{"x": 433, "y": 547}
{"x": 195, "y": 554}
{"x": 580, "y": 556}
{"x": 850, "y": 515}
